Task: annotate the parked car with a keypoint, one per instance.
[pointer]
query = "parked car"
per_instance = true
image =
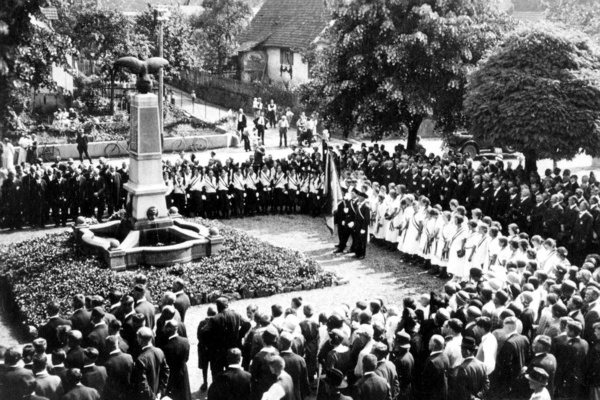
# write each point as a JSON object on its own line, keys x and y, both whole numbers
{"x": 464, "y": 143}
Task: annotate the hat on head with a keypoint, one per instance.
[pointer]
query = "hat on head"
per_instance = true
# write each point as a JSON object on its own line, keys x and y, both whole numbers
{"x": 502, "y": 296}
{"x": 339, "y": 333}
{"x": 495, "y": 284}
{"x": 562, "y": 251}
{"x": 365, "y": 329}
{"x": 513, "y": 277}
{"x": 527, "y": 296}
{"x": 468, "y": 343}
{"x": 462, "y": 297}
{"x": 335, "y": 377}
{"x": 559, "y": 309}
{"x": 476, "y": 273}
{"x": 538, "y": 375}
{"x": 403, "y": 340}
{"x": 568, "y": 284}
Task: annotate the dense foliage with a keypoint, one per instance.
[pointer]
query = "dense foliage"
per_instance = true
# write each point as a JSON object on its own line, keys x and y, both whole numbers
{"x": 583, "y": 15}
{"x": 218, "y": 26}
{"x": 539, "y": 92}
{"x": 387, "y": 63}
{"x": 39, "y": 270}
{"x": 28, "y": 48}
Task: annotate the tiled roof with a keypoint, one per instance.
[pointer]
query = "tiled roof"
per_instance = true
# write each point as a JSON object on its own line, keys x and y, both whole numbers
{"x": 287, "y": 23}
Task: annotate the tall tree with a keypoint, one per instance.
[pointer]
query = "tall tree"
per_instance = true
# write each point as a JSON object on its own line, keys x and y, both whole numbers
{"x": 583, "y": 15}
{"x": 218, "y": 26}
{"x": 101, "y": 35}
{"x": 390, "y": 62}
{"x": 178, "y": 37}
{"x": 539, "y": 92}
{"x": 28, "y": 49}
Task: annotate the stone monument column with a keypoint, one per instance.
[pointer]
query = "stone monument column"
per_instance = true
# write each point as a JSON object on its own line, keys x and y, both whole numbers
{"x": 146, "y": 184}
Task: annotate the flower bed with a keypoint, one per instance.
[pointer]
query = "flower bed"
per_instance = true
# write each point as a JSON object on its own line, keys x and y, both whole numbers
{"x": 36, "y": 271}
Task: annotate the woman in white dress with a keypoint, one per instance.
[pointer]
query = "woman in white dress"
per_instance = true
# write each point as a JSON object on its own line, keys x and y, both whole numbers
{"x": 445, "y": 232}
{"x": 414, "y": 229}
{"x": 8, "y": 155}
{"x": 386, "y": 221}
{"x": 456, "y": 251}
{"x": 473, "y": 238}
{"x": 407, "y": 215}
{"x": 373, "y": 204}
{"x": 24, "y": 144}
{"x": 391, "y": 231}
{"x": 382, "y": 207}
{"x": 430, "y": 233}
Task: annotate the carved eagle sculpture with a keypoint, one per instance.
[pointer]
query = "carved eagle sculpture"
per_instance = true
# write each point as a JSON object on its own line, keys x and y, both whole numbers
{"x": 142, "y": 68}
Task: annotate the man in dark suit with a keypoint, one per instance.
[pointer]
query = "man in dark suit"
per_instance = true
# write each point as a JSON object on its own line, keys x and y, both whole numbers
{"x": 310, "y": 331}
{"x": 177, "y": 353}
{"x": 581, "y": 233}
{"x": 49, "y": 386}
{"x": 371, "y": 386}
{"x": 448, "y": 187}
{"x": 127, "y": 329}
{"x": 536, "y": 219}
{"x": 118, "y": 366}
{"x": 386, "y": 369}
{"x": 151, "y": 372}
{"x": 97, "y": 337}
{"x": 499, "y": 200}
{"x": 295, "y": 366}
{"x": 553, "y": 218}
{"x": 58, "y": 366}
{"x": 592, "y": 315}
{"x": 333, "y": 383}
{"x": 92, "y": 375}
{"x": 471, "y": 377}
{"x": 234, "y": 383}
{"x": 81, "y": 319}
{"x": 475, "y": 193}
{"x": 434, "y": 378}
{"x": 79, "y": 391}
{"x": 360, "y": 226}
{"x": 182, "y": 301}
{"x": 543, "y": 359}
{"x": 75, "y": 355}
{"x": 242, "y": 123}
{"x": 224, "y": 332}
{"x": 572, "y": 384}
{"x": 49, "y": 330}
{"x": 513, "y": 356}
{"x": 13, "y": 378}
{"x": 143, "y": 306}
{"x": 262, "y": 377}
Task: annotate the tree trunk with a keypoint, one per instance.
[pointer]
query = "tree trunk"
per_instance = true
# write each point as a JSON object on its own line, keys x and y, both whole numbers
{"x": 413, "y": 128}
{"x": 530, "y": 161}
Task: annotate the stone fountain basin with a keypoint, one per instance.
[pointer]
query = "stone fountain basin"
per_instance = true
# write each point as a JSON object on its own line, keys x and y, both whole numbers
{"x": 180, "y": 242}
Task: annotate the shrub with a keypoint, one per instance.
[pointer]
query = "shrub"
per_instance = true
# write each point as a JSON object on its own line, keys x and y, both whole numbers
{"x": 37, "y": 271}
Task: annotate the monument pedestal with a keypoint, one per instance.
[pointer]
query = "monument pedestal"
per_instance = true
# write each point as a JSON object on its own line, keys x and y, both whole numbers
{"x": 146, "y": 183}
{"x": 150, "y": 236}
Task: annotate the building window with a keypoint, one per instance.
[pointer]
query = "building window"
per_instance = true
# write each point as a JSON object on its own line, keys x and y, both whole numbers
{"x": 287, "y": 56}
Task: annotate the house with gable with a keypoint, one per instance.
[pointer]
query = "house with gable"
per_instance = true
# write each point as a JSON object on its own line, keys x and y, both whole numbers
{"x": 271, "y": 47}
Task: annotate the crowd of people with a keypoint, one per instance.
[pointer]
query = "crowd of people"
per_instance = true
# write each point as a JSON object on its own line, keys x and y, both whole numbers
{"x": 519, "y": 317}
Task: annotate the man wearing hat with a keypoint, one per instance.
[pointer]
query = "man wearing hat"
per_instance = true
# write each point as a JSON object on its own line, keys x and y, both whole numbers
{"x": 334, "y": 383}
{"x": 471, "y": 377}
{"x": 512, "y": 357}
{"x": 543, "y": 359}
{"x": 404, "y": 363}
{"x": 434, "y": 377}
{"x": 386, "y": 369}
{"x": 538, "y": 380}
{"x": 592, "y": 314}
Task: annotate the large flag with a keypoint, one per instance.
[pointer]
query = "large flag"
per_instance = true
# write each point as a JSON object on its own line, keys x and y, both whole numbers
{"x": 332, "y": 190}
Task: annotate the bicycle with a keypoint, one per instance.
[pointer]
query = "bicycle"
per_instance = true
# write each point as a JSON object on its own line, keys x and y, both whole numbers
{"x": 115, "y": 149}
{"x": 48, "y": 152}
{"x": 179, "y": 145}
{"x": 200, "y": 144}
